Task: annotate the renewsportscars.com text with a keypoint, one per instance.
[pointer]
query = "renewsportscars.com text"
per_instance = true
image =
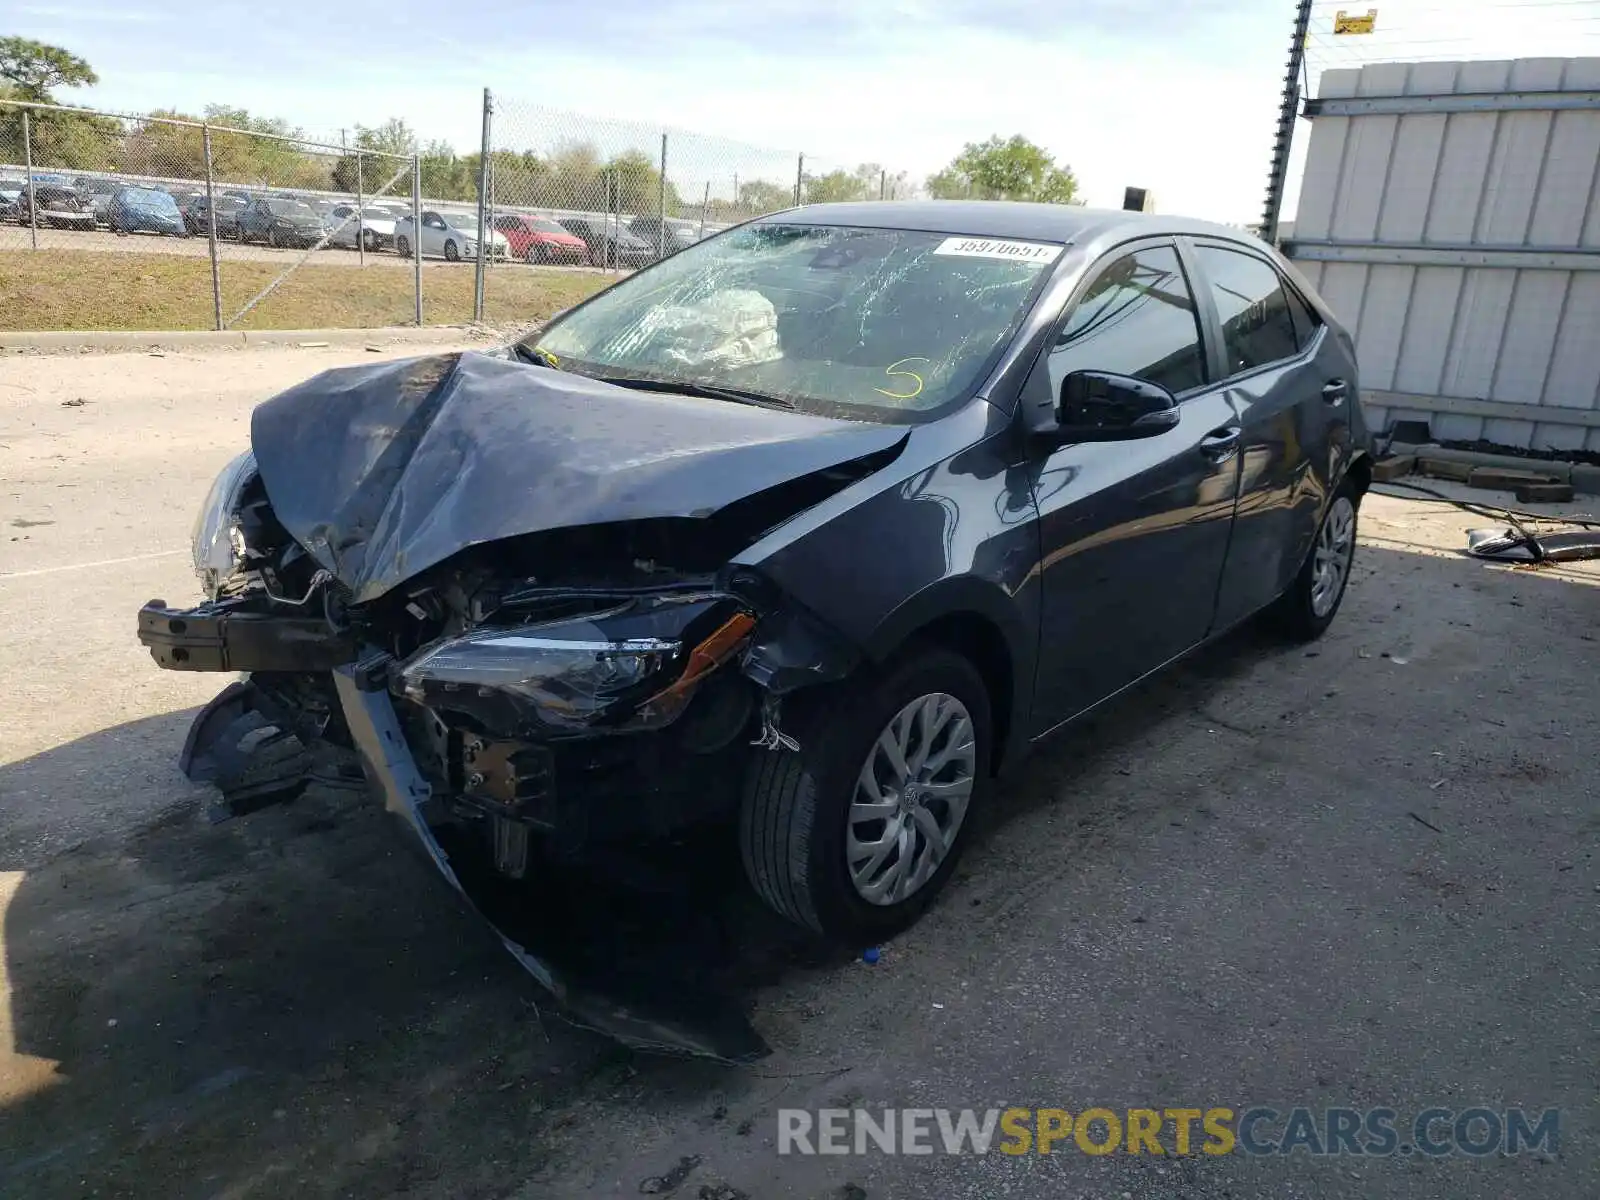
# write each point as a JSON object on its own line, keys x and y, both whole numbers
{"x": 1256, "y": 1130}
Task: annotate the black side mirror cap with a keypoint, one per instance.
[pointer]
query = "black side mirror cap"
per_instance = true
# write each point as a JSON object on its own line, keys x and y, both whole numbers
{"x": 1102, "y": 406}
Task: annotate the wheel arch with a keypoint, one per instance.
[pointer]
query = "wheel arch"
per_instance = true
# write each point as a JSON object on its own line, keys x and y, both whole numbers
{"x": 975, "y": 619}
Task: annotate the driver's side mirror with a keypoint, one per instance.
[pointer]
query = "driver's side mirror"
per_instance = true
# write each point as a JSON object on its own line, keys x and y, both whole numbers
{"x": 1099, "y": 406}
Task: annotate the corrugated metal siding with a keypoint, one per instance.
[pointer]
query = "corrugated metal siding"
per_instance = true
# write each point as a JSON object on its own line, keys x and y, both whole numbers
{"x": 1493, "y": 178}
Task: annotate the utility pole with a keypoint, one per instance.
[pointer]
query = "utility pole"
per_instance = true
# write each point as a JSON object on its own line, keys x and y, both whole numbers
{"x": 1288, "y": 112}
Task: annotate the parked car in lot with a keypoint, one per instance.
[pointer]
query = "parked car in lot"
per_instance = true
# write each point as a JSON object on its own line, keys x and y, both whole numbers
{"x": 10, "y": 194}
{"x": 664, "y": 236}
{"x": 610, "y": 246}
{"x": 97, "y": 193}
{"x": 806, "y": 532}
{"x": 145, "y": 210}
{"x": 540, "y": 239}
{"x": 373, "y": 226}
{"x": 228, "y": 210}
{"x": 57, "y": 205}
{"x": 448, "y": 234}
{"x": 279, "y": 222}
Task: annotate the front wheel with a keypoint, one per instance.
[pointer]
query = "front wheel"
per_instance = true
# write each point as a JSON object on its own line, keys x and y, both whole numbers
{"x": 451, "y": 253}
{"x": 1305, "y": 611}
{"x": 855, "y": 833}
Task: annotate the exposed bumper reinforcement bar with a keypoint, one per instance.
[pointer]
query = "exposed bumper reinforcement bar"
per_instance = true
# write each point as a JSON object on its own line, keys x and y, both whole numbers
{"x": 375, "y": 729}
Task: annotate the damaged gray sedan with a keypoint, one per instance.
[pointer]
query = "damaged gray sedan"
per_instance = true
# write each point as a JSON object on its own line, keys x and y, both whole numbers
{"x": 809, "y": 529}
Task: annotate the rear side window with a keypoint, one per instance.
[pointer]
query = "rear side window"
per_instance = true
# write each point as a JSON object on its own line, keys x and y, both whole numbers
{"x": 1137, "y": 318}
{"x": 1257, "y": 327}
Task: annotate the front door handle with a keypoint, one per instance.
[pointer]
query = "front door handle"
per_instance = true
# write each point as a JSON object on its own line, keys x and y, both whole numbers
{"x": 1221, "y": 444}
{"x": 1335, "y": 391}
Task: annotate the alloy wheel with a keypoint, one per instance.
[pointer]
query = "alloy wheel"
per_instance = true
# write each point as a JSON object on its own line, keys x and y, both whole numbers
{"x": 911, "y": 798}
{"x": 1335, "y": 548}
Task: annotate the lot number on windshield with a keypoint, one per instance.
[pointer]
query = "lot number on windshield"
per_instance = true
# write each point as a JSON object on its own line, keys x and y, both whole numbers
{"x": 971, "y": 247}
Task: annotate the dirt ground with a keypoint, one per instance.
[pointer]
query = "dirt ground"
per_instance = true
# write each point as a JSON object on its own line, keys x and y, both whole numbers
{"x": 1357, "y": 874}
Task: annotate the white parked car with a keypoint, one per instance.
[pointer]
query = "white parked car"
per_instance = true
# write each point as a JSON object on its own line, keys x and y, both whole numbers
{"x": 447, "y": 233}
{"x": 372, "y": 224}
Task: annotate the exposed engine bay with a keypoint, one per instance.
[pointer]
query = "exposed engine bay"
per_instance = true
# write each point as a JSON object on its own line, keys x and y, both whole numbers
{"x": 531, "y": 698}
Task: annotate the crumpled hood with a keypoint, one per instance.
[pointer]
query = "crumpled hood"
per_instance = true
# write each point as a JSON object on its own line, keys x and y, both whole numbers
{"x": 383, "y": 471}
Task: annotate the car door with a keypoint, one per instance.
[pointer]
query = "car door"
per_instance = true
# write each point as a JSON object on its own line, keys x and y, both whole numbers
{"x": 1290, "y": 384}
{"x": 1133, "y": 534}
{"x": 431, "y": 236}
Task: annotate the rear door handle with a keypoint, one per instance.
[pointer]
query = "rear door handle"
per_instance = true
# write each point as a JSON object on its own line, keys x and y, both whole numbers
{"x": 1335, "y": 391}
{"x": 1221, "y": 444}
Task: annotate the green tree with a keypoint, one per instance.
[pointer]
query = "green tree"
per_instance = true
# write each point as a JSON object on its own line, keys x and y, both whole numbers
{"x": 34, "y": 68}
{"x": 29, "y": 70}
{"x": 1004, "y": 169}
{"x": 393, "y": 137}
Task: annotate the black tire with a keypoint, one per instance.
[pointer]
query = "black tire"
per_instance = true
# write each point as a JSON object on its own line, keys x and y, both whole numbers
{"x": 1296, "y": 613}
{"x": 796, "y": 804}
{"x": 536, "y": 255}
{"x": 402, "y": 246}
{"x": 451, "y": 252}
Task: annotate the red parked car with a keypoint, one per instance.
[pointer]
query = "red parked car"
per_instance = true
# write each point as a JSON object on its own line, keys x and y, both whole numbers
{"x": 541, "y": 240}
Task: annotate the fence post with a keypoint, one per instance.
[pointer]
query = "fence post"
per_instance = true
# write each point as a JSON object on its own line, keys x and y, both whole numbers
{"x": 483, "y": 214}
{"x": 33, "y": 200}
{"x": 661, "y": 221}
{"x": 1288, "y": 112}
{"x": 799, "y": 178}
{"x": 361, "y": 216}
{"x": 416, "y": 233}
{"x": 705, "y": 206}
{"x": 883, "y": 185}
{"x": 211, "y": 227}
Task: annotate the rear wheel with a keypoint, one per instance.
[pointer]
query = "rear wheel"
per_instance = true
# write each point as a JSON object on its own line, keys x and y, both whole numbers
{"x": 855, "y": 833}
{"x": 1305, "y": 611}
{"x": 402, "y": 246}
{"x": 274, "y": 239}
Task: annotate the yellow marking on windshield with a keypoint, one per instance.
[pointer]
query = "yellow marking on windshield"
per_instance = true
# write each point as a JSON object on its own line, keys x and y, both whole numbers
{"x": 891, "y": 371}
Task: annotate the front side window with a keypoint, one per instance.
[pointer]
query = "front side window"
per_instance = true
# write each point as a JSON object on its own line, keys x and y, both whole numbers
{"x": 1137, "y": 318}
{"x": 1257, "y": 327}
{"x": 879, "y": 323}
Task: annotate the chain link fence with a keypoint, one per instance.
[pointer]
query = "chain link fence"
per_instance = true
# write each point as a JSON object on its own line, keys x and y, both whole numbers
{"x": 110, "y": 221}
{"x": 607, "y": 196}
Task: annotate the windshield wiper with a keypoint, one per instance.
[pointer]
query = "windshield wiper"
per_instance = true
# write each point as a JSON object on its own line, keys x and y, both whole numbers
{"x": 707, "y": 391}
{"x": 531, "y": 354}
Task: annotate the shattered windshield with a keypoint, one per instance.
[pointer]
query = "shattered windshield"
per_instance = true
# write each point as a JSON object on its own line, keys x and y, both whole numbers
{"x": 825, "y": 317}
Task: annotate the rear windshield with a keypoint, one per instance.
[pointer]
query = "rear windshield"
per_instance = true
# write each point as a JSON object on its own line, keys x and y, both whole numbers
{"x": 290, "y": 208}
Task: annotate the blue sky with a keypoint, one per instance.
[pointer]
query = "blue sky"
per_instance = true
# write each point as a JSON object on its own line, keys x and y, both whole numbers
{"x": 1175, "y": 95}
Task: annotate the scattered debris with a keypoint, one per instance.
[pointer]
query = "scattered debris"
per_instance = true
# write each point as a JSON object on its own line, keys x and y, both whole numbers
{"x": 723, "y": 1191}
{"x": 1504, "y": 479}
{"x": 1421, "y": 821}
{"x": 1544, "y": 493}
{"x": 1436, "y": 785}
{"x": 75, "y": 402}
{"x": 1393, "y": 467}
{"x": 870, "y": 955}
{"x": 312, "y": 345}
{"x": 655, "y": 1185}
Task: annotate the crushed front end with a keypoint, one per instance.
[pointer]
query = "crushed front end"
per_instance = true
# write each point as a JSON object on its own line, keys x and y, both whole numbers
{"x": 533, "y": 704}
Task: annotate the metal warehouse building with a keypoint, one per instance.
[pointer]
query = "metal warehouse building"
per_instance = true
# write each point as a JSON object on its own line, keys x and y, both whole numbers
{"x": 1448, "y": 213}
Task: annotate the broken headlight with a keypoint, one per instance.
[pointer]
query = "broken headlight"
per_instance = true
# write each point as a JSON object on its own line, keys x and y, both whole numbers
{"x": 218, "y": 545}
{"x": 568, "y": 683}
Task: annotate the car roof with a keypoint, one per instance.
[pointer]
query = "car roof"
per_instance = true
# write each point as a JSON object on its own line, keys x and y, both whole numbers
{"x": 1003, "y": 219}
